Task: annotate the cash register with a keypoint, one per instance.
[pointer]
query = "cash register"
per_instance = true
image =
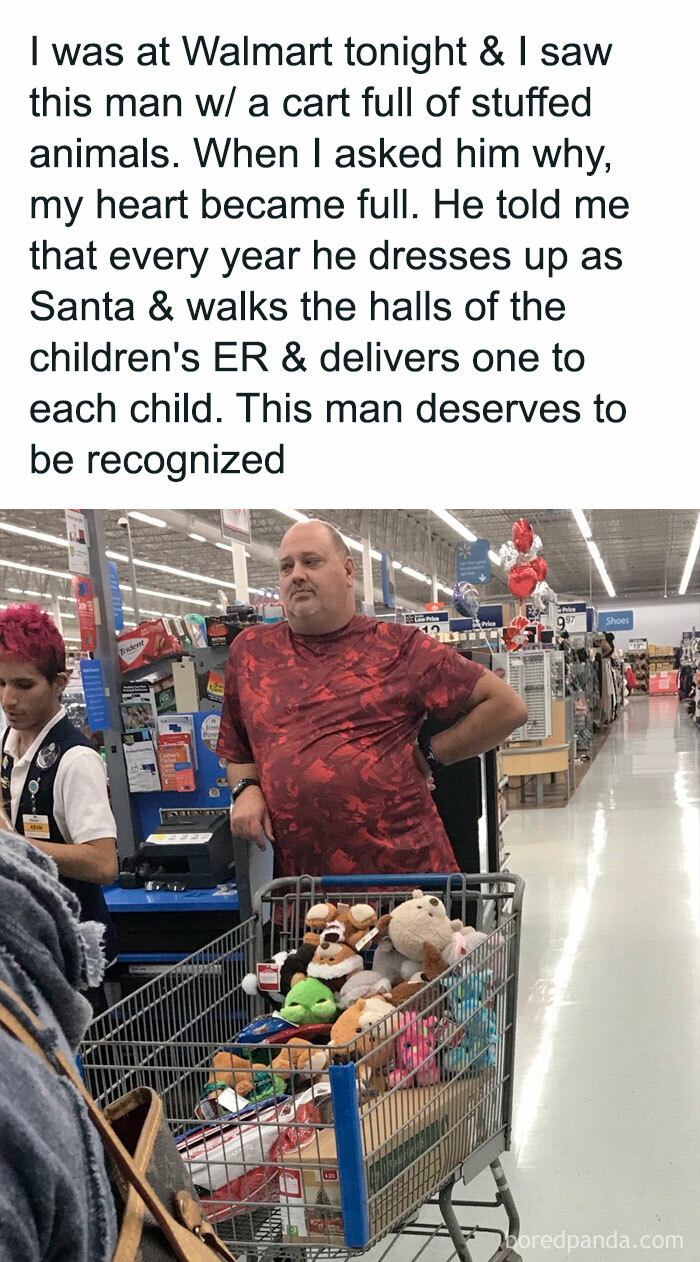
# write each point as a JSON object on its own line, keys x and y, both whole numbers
{"x": 183, "y": 854}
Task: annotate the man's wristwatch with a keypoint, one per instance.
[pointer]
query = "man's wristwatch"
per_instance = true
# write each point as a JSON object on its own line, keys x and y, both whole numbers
{"x": 427, "y": 751}
{"x": 239, "y": 786}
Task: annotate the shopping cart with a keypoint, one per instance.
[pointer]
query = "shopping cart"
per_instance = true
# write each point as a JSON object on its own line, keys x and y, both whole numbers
{"x": 418, "y": 1102}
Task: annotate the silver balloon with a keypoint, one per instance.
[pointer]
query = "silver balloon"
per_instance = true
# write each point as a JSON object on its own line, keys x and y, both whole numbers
{"x": 534, "y": 550}
{"x": 466, "y": 600}
{"x": 509, "y": 555}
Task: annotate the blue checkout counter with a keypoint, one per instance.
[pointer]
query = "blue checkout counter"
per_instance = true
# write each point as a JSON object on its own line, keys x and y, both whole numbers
{"x": 160, "y": 928}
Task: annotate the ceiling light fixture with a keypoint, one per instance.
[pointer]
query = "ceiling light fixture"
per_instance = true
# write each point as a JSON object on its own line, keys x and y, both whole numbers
{"x": 197, "y": 538}
{"x": 184, "y": 600}
{"x": 421, "y": 578}
{"x": 170, "y": 569}
{"x": 600, "y": 566}
{"x": 691, "y": 559}
{"x": 581, "y": 521}
{"x": 150, "y": 521}
{"x": 34, "y": 569}
{"x": 454, "y": 522}
{"x": 294, "y": 514}
{"x": 40, "y": 535}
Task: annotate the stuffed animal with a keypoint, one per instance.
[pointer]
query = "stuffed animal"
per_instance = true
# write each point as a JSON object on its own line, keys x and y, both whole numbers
{"x": 476, "y": 1049}
{"x": 229, "y": 1070}
{"x": 350, "y": 924}
{"x": 414, "y": 1060}
{"x": 300, "y": 1058}
{"x": 359, "y": 1027}
{"x": 362, "y": 985}
{"x": 356, "y": 922}
{"x": 274, "y": 978}
{"x": 316, "y": 920}
{"x": 309, "y": 1002}
{"x": 404, "y": 933}
{"x": 415, "y": 987}
{"x": 256, "y": 1080}
{"x": 334, "y": 961}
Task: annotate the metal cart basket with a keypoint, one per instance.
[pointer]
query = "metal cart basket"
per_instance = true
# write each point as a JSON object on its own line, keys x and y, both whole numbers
{"x": 331, "y": 1155}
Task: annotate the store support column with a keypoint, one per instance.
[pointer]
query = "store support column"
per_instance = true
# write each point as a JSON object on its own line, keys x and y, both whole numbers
{"x": 367, "y": 580}
{"x": 122, "y": 808}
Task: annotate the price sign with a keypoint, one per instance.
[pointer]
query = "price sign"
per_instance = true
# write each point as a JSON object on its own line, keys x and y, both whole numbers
{"x": 431, "y": 623}
{"x": 572, "y": 618}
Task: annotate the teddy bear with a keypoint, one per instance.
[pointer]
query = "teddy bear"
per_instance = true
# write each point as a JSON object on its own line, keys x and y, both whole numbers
{"x": 364, "y": 1031}
{"x": 254, "y": 1078}
{"x": 404, "y": 933}
{"x": 302, "y": 1058}
{"x": 230, "y": 1070}
{"x": 309, "y": 1002}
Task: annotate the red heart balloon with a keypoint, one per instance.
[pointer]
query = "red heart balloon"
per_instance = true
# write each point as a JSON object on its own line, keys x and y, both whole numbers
{"x": 541, "y": 568}
{"x": 523, "y": 536}
{"x": 522, "y": 581}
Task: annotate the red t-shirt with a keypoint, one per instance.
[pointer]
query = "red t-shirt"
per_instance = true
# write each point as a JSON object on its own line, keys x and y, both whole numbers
{"x": 330, "y": 723}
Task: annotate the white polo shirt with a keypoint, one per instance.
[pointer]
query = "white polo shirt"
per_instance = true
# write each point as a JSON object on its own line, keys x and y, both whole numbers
{"x": 80, "y": 798}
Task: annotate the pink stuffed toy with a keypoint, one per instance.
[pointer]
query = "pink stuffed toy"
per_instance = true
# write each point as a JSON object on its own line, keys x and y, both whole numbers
{"x": 414, "y": 1052}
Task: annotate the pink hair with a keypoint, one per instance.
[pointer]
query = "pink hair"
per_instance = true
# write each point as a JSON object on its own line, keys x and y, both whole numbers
{"x": 27, "y": 634}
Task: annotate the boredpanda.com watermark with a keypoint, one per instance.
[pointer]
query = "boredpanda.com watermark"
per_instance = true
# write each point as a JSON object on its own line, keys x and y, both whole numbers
{"x": 568, "y": 1242}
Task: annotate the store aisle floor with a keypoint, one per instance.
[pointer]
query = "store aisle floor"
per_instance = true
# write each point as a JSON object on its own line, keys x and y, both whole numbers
{"x": 607, "y": 1081}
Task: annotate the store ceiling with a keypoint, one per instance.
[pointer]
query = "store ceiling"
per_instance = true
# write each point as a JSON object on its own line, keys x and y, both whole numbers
{"x": 644, "y": 551}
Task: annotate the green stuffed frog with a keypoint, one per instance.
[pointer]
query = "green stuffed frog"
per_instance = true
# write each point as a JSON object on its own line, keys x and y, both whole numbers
{"x": 309, "y": 1002}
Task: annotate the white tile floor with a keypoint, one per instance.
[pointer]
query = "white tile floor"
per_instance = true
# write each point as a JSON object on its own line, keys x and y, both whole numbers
{"x": 606, "y": 1123}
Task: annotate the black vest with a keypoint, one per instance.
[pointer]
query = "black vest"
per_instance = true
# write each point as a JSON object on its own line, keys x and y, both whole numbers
{"x": 42, "y": 770}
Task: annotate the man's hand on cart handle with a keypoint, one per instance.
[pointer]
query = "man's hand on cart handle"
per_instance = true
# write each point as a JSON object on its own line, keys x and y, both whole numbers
{"x": 250, "y": 818}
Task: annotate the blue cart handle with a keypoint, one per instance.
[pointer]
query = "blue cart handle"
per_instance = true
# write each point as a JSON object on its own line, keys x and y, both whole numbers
{"x": 446, "y": 881}
{"x": 397, "y": 880}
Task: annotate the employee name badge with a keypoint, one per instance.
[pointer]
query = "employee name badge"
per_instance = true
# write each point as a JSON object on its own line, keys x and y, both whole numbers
{"x": 37, "y": 827}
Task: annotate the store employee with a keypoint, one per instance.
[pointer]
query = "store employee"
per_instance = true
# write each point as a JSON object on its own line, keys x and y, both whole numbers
{"x": 320, "y": 717}
{"x": 54, "y": 788}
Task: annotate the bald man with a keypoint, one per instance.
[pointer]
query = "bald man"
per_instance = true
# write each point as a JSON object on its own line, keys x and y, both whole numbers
{"x": 320, "y": 719}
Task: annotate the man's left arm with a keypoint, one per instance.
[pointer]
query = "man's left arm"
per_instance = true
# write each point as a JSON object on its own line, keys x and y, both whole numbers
{"x": 81, "y": 797}
{"x": 494, "y": 710}
{"x": 482, "y": 709}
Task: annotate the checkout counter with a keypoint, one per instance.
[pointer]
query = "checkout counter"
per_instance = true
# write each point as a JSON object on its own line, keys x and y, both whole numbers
{"x": 188, "y": 883}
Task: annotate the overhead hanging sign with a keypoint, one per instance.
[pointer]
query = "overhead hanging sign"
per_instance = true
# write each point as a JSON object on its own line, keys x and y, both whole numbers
{"x": 116, "y": 596}
{"x": 473, "y": 562}
{"x": 572, "y": 618}
{"x": 388, "y": 581}
{"x": 616, "y": 620}
{"x": 431, "y": 623}
{"x": 235, "y": 524}
{"x": 87, "y": 621}
{"x": 77, "y": 532}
